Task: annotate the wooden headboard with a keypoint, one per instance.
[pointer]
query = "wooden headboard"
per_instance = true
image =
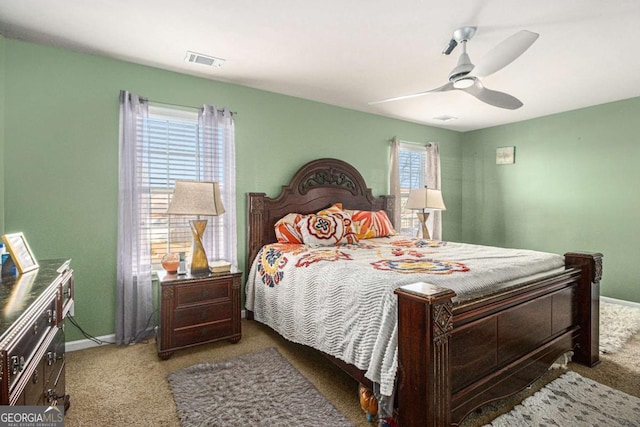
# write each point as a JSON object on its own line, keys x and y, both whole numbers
{"x": 315, "y": 186}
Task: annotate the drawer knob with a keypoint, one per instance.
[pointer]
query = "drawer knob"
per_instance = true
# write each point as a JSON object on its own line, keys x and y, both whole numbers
{"x": 34, "y": 379}
{"x": 51, "y": 358}
{"x": 51, "y": 316}
{"x": 51, "y": 397}
{"x": 17, "y": 364}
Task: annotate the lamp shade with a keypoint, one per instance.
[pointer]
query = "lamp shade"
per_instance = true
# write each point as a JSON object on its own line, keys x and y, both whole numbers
{"x": 196, "y": 198}
{"x": 425, "y": 198}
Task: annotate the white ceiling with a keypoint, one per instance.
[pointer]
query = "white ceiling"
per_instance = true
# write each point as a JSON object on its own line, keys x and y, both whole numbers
{"x": 350, "y": 52}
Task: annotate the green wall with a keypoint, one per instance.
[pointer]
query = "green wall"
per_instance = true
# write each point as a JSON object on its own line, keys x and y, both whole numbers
{"x": 61, "y": 154}
{"x": 573, "y": 187}
{"x": 2, "y": 84}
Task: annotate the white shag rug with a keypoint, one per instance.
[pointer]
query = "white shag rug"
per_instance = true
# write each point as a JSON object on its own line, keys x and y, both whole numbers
{"x": 618, "y": 323}
{"x": 576, "y": 401}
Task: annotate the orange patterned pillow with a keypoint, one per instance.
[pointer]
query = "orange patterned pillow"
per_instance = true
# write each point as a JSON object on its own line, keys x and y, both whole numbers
{"x": 369, "y": 224}
{"x": 287, "y": 230}
{"x": 327, "y": 230}
{"x": 335, "y": 208}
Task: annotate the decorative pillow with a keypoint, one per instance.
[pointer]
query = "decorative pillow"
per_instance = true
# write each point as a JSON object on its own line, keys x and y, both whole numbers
{"x": 287, "y": 230}
{"x": 327, "y": 230}
{"x": 370, "y": 224}
{"x": 335, "y": 208}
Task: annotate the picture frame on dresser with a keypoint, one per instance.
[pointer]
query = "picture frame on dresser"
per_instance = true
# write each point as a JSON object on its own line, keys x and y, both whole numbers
{"x": 20, "y": 252}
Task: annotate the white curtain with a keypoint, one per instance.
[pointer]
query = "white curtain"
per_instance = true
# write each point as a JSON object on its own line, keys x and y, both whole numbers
{"x": 394, "y": 182}
{"x": 216, "y": 159}
{"x": 134, "y": 304}
{"x": 433, "y": 180}
{"x": 217, "y": 133}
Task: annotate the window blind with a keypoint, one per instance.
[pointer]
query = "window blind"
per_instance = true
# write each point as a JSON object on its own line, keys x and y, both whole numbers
{"x": 171, "y": 151}
{"x": 411, "y": 167}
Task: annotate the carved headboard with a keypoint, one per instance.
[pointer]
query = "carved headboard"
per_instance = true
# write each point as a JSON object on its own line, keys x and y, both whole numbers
{"x": 316, "y": 185}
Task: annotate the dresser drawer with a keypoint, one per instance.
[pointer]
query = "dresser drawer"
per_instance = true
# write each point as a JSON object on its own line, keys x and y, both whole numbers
{"x": 197, "y": 315}
{"x": 34, "y": 390}
{"x": 54, "y": 357}
{"x": 44, "y": 372}
{"x": 203, "y": 293}
{"x": 202, "y": 333}
{"x": 20, "y": 354}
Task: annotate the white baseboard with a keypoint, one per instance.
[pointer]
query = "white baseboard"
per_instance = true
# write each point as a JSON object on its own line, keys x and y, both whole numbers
{"x": 83, "y": 344}
{"x": 620, "y": 302}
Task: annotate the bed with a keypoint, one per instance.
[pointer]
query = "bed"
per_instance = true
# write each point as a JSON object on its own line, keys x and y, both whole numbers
{"x": 454, "y": 352}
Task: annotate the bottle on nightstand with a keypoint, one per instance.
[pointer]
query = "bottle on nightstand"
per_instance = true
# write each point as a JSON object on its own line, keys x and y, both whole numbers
{"x": 182, "y": 267}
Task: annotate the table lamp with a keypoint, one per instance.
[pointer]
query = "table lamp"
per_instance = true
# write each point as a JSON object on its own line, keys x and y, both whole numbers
{"x": 197, "y": 198}
{"x": 425, "y": 198}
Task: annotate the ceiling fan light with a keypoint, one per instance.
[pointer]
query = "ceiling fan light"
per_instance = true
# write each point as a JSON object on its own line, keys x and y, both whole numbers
{"x": 464, "y": 82}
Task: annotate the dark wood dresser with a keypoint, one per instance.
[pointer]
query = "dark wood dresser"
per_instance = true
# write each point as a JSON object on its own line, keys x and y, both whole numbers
{"x": 33, "y": 307}
{"x": 197, "y": 309}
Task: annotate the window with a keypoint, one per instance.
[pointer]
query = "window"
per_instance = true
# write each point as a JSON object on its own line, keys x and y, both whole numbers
{"x": 411, "y": 168}
{"x": 158, "y": 146}
{"x": 173, "y": 150}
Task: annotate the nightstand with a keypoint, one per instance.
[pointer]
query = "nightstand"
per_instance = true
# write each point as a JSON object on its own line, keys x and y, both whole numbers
{"x": 196, "y": 310}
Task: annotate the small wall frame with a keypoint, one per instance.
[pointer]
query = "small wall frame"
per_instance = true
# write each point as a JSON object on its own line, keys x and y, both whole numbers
{"x": 20, "y": 252}
{"x": 505, "y": 155}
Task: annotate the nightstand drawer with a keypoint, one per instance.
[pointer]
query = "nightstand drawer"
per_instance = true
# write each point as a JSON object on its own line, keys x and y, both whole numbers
{"x": 198, "y": 315}
{"x": 202, "y": 333}
{"x": 203, "y": 293}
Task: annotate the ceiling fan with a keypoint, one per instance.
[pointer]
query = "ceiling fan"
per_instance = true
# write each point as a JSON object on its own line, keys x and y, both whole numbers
{"x": 467, "y": 77}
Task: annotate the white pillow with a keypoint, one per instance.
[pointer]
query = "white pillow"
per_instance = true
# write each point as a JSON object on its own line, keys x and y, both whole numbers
{"x": 327, "y": 230}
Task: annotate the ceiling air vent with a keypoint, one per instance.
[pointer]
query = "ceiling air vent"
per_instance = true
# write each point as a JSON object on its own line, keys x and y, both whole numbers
{"x": 445, "y": 118}
{"x": 199, "y": 58}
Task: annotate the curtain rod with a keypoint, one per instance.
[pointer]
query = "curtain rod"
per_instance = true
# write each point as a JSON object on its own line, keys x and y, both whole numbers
{"x": 422, "y": 144}
{"x": 233, "y": 113}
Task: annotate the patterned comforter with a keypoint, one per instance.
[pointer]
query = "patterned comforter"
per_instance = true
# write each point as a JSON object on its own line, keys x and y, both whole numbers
{"x": 340, "y": 300}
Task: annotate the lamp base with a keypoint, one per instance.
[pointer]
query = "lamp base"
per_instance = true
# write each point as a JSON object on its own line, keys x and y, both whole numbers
{"x": 199, "y": 262}
{"x": 422, "y": 217}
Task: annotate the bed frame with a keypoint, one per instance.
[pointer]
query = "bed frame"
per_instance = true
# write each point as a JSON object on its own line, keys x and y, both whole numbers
{"x": 455, "y": 357}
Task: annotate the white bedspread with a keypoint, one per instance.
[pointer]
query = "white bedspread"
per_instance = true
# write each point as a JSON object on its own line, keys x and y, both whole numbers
{"x": 340, "y": 299}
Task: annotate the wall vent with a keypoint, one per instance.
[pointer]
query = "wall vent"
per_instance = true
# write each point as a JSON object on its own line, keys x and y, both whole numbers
{"x": 199, "y": 58}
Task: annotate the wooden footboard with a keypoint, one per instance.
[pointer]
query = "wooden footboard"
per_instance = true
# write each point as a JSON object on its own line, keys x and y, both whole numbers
{"x": 455, "y": 358}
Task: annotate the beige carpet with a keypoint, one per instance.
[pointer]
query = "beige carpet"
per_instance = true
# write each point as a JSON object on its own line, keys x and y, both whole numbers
{"x": 127, "y": 386}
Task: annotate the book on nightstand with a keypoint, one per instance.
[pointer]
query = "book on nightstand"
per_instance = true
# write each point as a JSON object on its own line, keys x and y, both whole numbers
{"x": 219, "y": 266}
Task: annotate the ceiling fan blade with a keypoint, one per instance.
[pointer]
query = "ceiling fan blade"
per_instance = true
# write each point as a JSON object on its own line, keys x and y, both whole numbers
{"x": 492, "y": 97}
{"x": 443, "y": 88}
{"x": 504, "y": 53}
